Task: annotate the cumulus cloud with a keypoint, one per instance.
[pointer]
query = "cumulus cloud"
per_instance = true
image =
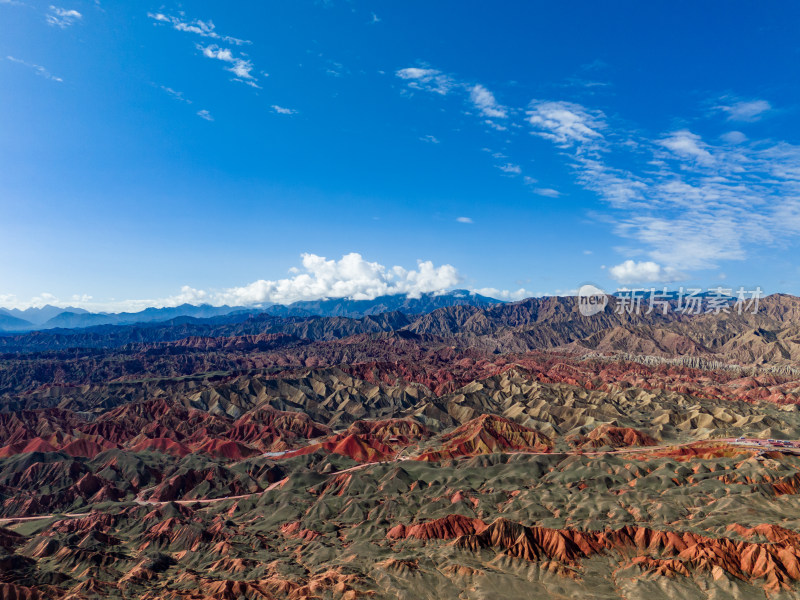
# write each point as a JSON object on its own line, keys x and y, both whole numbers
{"x": 643, "y": 272}
{"x": 196, "y": 26}
{"x": 62, "y": 17}
{"x": 484, "y": 101}
{"x": 508, "y": 295}
{"x": 38, "y": 69}
{"x": 349, "y": 277}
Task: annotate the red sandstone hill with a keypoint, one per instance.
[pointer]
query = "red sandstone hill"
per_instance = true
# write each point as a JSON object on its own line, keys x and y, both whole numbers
{"x": 614, "y": 437}
{"x": 361, "y": 448}
{"x": 165, "y": 426}
{"x": 487, "y": 434}
{"x": 449, "y": 527}
{"x": 393, "y": 432}
{"x": 777, "y": 564}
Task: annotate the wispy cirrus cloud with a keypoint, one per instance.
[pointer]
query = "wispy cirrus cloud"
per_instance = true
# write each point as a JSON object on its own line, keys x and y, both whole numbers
{"x": 485, "y": 102}
{"x": 478, "y": 96}
{"x": 431, "y": 80}
{"x": 204, "y": 114}
{"x": 196, "y": 26}
{"x": 241, "y": 67}
{"x": 689, "y": 203}
{"x": 282, "y": 110}
{"x": 685, "y": 201}
{"x": 38, "y": 69}
{"x": 686, "y": 144}
{"x": 176, "y": 95}
{"x": 235, "y": 61}
{"x": 546, "y": 192}
{"x": 565, "y": 123}
{"x": 62, "y": 17}
{"x": 510, "y": 169}
{"x": 743, "y": 110}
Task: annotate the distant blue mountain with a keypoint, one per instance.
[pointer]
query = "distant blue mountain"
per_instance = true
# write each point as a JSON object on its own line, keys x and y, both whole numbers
{"x": 40, "y": 315}
{"x": 72, "y": 320}
{"x": 9, "y": 323}
{"x": 344, "y": 307}
{"x": 78, "y": 318}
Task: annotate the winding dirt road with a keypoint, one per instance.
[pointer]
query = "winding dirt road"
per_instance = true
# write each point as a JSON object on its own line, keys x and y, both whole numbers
{"x": 749, "y": 443}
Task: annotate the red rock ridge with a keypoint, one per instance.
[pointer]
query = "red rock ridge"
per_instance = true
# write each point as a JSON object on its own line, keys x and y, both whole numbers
{"x": 776, "y": 563}
{"x": 487, "y": 434}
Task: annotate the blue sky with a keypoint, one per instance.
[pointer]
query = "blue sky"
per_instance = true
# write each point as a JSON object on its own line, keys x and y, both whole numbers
{"x": 160, "y": 153}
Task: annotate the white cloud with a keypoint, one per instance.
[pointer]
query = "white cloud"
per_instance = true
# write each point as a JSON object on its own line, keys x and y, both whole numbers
{"x": 204, "y": 114}
{"x": 240, "y": 67}
{"x": 430, "y": 139}
{"x": 690, "y": 204}
{"x": 496, "y": 126}
{"x": 38, "y": 69}
{"x": 565, "y": 123}
{"x": 175, "y": 94}
{"x": 745, "y": 110}
{"x": 62, "y": 17}
{"x": 282, "y": 110}
{"x": 464, "y": 220}
{"x": 349, "y": 277}
{"x": 201, "y": 28}
{"x": 684, "y": 202}
{"x": 484, "y": 101}
{"x": 734, "y": 137}
{"x": 686, "y": 144}
{"x": 427, "y": 79}
{"x": 509, "y": 295}
{"x": 434, "y": 80}
{"x": 510, "y": 168}
{"x": 643, "y": 272}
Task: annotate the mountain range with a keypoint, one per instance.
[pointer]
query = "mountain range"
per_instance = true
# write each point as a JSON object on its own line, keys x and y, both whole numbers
{"x": 510, "y": 450}
{"x": 52, "y": 317}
